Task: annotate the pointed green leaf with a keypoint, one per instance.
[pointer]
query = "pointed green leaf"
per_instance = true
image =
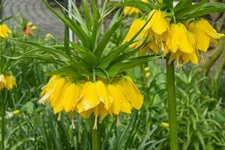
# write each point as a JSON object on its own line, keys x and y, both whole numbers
{"x": 106, "y": 60}
{"x": 87, "y": 55}
{"x": 69, "y": 70}
{"x": 130, "y": 63}
{"x": 106, "y": 37}
{"x": 96, "y": 23}
{"x": 56, "y": 52}
{"x": 181, "y": 4}
{"x": 137, "y": 4}
{"x": 87, "y": 14}
{"x": 208, "y": 8}
{"x": 74, "y": 26}
{"x": 189, "y": 10}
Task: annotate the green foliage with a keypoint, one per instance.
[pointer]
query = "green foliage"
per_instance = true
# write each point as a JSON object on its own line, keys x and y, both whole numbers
{"x": 200, "y": 116}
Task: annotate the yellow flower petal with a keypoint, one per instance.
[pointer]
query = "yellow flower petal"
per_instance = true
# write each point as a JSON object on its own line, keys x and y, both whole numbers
{"x": 57, "y": 91}
{"x": 72, "y": 95}
{"x": 204, "y": 33}
{"x": 134, "y": 28}
{"x": 10, "y": 82}
{"x": 90, "y": 98}
{"x": 115, "y": 95}
{"x": 131, "y": 92}
{"x": 102, "y": 94}
{"x": 158, "y": 23}
{"x": 179, "y": 39}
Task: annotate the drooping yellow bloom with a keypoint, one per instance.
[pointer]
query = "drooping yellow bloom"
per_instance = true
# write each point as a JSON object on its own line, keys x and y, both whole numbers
{"x": 120, "y": 103}
{"x": 7, "y": 81}
{"x": 183, "y": 58}
{"x": 53, "y": 90}
{"x": 131, "y": 92}
{"x": 204, "y": 33}
{"x": 92, "y": 98}
{"x": 134, "y": 29}
{"x": 10, "y": 82}
{"x": 4, "y": 31}
{"x": 180, "y": 39}
{"x": 69, "y": 99}
{"x": 158, "y": 24}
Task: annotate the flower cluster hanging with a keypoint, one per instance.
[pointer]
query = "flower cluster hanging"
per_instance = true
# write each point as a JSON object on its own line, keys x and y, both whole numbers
{"x": 182, "y": 39}
{"x": 87, "y": 97}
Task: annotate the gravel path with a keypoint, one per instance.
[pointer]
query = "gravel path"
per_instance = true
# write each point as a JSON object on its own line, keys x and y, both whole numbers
{"x": 36, "y": 12}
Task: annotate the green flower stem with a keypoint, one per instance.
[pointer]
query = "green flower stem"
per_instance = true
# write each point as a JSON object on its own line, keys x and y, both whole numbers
{"x": 96, "y": 138}
{"x": 3, "y": 119}
{"x": 172, "y": 105}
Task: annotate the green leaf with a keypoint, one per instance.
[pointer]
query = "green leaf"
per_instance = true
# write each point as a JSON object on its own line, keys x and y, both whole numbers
{"x": 23, "y": 141}
{"x": 74, "y": 26}
{"x": 56, "y": 52}
{"x": 106, "y": 60}
{"x": 67, "y": 43}
{"x": 87, "y": 15}
{"x": 87, "y": 55}
{"x": 71, "y": 70}
{"x": 121, "y": 139}
{"x": 106, "y": 37}
{"x": 208, "y": 8}
{"x": 189, "y": 10}
{"x": 169, "y": 3}
{"x": 200, "y": 137}
{"x": 96, "y": 23}
{"x": 129, "y": 53}
{"x": 5, "y": 18}
{"x": 137, "y": 4}
{"x": 181, "y": 4}
{"x": 130, "y": 63}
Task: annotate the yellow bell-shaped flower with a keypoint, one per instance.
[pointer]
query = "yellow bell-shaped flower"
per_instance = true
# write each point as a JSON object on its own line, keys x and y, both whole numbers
{"x": 57, "y": 92}
{"x": 119, "y": 101}
{"x": 204, "y": 33}
{"x": 7, "y": 81}
{"x": 10, "y": 82}
{"x": 158, "y": 24}
{"x": 180, "y": 39}
{"x": 70, "y": 97}
{"x": 134, "y": 28}
{"x": 131, "y": 92}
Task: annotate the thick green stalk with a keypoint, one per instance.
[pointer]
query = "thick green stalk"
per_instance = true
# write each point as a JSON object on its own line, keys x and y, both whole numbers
{"x": 3, "y": 119}
{"x": 96, "y": 138}
{"x": 172, "y": 105}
